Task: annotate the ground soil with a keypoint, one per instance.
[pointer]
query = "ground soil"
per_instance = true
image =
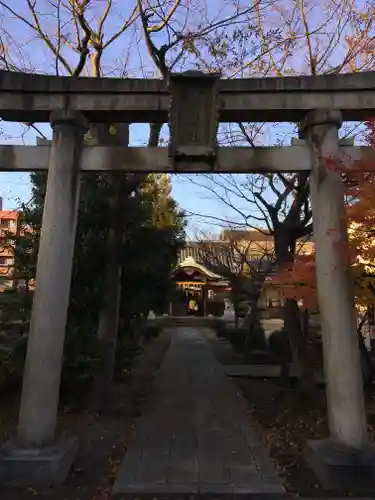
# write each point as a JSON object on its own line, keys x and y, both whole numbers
{"x": 284, "y": 425}
{"x": 103, "y": 438}
{"x": 285, "y": 422}
{"x": 282, "y": 420}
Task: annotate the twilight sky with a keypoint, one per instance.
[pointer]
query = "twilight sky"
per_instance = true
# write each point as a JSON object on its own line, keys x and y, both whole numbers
{"x": 128, "y": 57}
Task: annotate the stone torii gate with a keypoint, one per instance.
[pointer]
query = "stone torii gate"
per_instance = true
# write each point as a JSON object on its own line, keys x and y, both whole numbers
{"x": 193, "y": 104}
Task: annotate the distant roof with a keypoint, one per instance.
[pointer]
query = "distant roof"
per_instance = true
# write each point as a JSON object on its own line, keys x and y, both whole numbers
{"x": 246, "y": 234}
{"x": 252, "y": 235}
{"x": 219, "y": 256}
{"x": 9, "y": 214}
{"x": 191, "y": 262}
{"x": 211, "y": 255}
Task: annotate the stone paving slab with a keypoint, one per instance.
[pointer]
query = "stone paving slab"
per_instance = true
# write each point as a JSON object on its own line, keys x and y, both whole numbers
{"x": 194, "y": 436}
{"x": 263, "y": 371}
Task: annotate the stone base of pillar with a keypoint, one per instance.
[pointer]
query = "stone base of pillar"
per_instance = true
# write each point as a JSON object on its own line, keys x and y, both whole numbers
{"x": 341, "y": 469}
{"x": 45, "y": 466}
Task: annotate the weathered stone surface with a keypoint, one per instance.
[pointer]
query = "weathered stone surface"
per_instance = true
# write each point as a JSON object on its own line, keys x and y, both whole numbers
{"x": 344, "y": 388}
{"x": 131, "y": 159}
{"x": 262, "y": 371}
{"x": 45, "y": 345}
{"x": 46, "y": 465}
{"x": 145, "y": 101}
{"x": 194, "y": 435}
{"x": 340, "y": 469}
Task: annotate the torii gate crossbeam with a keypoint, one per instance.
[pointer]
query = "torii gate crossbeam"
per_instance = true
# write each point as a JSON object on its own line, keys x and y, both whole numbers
{"x": 295, "y": 158}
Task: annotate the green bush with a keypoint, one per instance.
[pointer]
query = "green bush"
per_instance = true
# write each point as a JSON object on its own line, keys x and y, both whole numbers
{"x": 12, "y": 362}
{"x": 279, "y": 346}
{"x": 237, "y": 337}
{"x": 241, "y": 338}
{"x": 81, "y": 357}
{"x": 257, "y": 339}
{"x": 219, "y": 327}
{"x": 15, "y": 305}
{"x": 82, "y": 354}
{"x": 216, "y": 307}
{"x": 15, "y": 308}
{"x": 127, "y": 349}
{"x": 242, "y": 308}
{"x": 150, "y": 332}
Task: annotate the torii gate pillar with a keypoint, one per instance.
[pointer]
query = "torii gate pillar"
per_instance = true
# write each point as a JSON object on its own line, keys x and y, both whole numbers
{"x": 35, "y": 455}
{"x": 346, "y": 456}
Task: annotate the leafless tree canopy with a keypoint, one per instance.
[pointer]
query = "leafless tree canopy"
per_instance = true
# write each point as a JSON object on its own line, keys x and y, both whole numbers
{"x": 151, "y": 38}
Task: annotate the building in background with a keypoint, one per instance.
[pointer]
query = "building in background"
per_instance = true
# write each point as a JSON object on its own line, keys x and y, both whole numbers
{"x": 203, "y": 267}
{"x": 197, "y": 278}
{"x": 259, "y": 248}
{"x": 9, "y": 223}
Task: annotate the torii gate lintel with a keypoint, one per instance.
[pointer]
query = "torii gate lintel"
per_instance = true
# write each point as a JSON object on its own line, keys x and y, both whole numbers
{"x": 31, "y": 98}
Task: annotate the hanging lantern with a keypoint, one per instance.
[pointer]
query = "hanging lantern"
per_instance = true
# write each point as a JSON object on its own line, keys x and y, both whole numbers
{"x": 193, "y": 121}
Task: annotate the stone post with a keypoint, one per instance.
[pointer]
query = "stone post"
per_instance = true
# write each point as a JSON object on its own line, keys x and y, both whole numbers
{"x": 41, "y": 382}
{"x": 345, "y": 398}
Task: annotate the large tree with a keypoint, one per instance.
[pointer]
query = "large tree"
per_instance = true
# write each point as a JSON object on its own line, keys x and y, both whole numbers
{"x": 295, "y": 38}
{"x": 151, "y": 249}
{"x": 233, "y": 258}
{"x": 151, "y": 230}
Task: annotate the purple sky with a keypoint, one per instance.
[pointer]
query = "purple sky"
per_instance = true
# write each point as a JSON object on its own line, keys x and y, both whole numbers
{"x": 128, "y": 56}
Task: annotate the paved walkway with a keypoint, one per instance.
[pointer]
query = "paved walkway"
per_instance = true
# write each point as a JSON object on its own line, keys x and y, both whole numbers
{"x": 194, "y": 435}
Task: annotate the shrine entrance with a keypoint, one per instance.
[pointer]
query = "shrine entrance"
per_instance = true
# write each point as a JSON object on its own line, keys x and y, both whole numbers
{"x": 195, "y": 282}
{"x": 193, "y": 104}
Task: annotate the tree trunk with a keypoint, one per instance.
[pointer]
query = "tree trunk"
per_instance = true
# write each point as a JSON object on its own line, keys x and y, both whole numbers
{"x": 236, "y": 317}
{"x": 298, "y": 345}
{"x": 284, "y": 373}
{"x": 292, "y": 320}
{"x": 305, "y": 323}
{"x": 109, "y": 312}
{"x": 252, "y": 323}
{"x": 366, "y": 355}
{"x": 235, "y": 301}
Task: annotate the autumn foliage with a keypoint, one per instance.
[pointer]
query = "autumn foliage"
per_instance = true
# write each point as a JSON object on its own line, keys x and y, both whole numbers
{"x": 299, "y": 279}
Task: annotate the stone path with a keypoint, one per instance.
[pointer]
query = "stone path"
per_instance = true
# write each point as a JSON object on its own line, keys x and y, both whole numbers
{"x": 194, "y": 435}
